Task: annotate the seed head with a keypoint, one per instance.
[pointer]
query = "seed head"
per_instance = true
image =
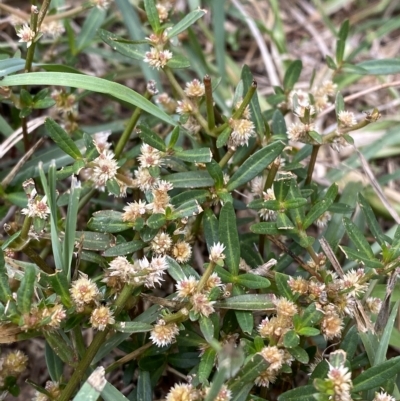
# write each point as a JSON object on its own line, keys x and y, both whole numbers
{"x": 105, "y": 168}
{"x": 182, "y": 251}
{"x": 161, "y": 243}
{"x": 14, "y": 363}
{"x": 284, "y": 307}
{"x": 157, "y": 58}
{"x": 186, "y": 287}
{"x": 194, "y": 88}
{"x": 134, "y": 210}
{"x": 182, "y": 392}
{"x": 202, "y": 305}
{"x": 84, "y": 291}
{"x": 242, "y": 131}
{"x": 346, "y": 118}
{"x": 274, "y": 356}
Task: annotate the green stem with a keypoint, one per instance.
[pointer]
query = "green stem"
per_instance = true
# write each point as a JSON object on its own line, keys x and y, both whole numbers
{"x": 209, "y": 102}
{"x": 272, "y": 174}
{"x": 311, "y": 166}
{"x": 94, "y": 347}
{"x": 123, "y": 140}
{"x": 26, "y": 226}
{"x": 313, "y": 255}
{"x": 226, "y": 158}
{"x": 79, "y": 342}
{"x": 85, "y": 199}
{"x": 28, "y": 251}
{"x": 246, "y": 101}
{"x": 205, "y": 276}
{"x": 130, "y": 357}
{"x": 43, "y": 12}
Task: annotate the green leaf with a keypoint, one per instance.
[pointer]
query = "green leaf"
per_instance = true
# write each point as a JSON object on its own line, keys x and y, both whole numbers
{"x": 247, "y": 302}
{"x": 206, "y": 364}
{"x": 330, "y": 63}
{"x": 152, "y": 15}
{"x": 199, "y": 155}
{"x": 350, "y": 342}
{"x": 207, "y": 328}
{"x": 190, "y": 179}
{"x": 216, "y": 173}
{"x": 26, "y": 289}
{"x": 252, "y": 281}
{"x": 283, "y": 286}
{"x": 93, "y": 386}
{"x": 113, "y": 188}
{"x": 341, "y": 42}
{"x": 223, "y": 137}
{"x": 60, "y": 284}
{"x": 10, "y": 65}
{"x": 302, "y": 393}
{"x": 50, "y": 191}
{"x": 151, "y": 138}
{"x": 245, "y": 320}
{"x": 316, "y": 136}
{"x": 361, "y": 257}
{"x": 310, "y": 317}
{"x": 268, "y": 228}
{"x": 381, "y": 67}
{"x": 187, "y": 209}
{"x": 376, "y": 375}
{"x": 291, "y": 339}
{"x": 200, "y": 195}
{"x": 54, "y": 364}
{"x": 256, "y": 116}
{"x": 125, "y": 248}
{"x": 185, "y": 23}
{"x": 321, "y": 206}
{"x": 381, "y": 352}
{"x": 110, "y": 393}
{"x": 108, "y": 221}
{"x": 229, "y": 237}
{"x": 5, "y": 291}
{"x": 299, "y": 354}
{"x": 178, "y": 62}
{"x": 248, "y": 373}
{"x": 156, "y": 220}
{"x": 210, "y": 225}
{"x": 292, "y": 75}
{"x": 373, "y": 224}
{"x": 175, "y": 270}
{"x": 70, "y": 226}
{"x": 255, "y": 164}
{"x": 132, "y": 327}
{"x": 94, "y": 241}
{"x": 278, "y": 124}
{"x": 283, "y": 222}
{"x": 357, "y": 237}
{"x": 144, "y": 390}
{"x": 60, "y": 347}
{"x": 308, "y": 332}
{"x": 117, "y": 43}
{"x": 339, "y": 104}
{"x": 92, "y": 23}
{"x": 90, "y": 83}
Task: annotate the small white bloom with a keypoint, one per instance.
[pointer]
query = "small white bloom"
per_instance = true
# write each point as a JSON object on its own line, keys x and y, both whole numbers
{"x": 26, "y": 34}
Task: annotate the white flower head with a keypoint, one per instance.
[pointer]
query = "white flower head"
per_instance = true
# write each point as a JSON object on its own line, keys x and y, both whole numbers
{"x": 217, "y": 253}
{"x": 26, "y": 35}
{"x": 157, "y": 58}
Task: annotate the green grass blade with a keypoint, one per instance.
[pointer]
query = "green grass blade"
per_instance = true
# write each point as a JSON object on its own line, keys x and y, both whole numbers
{"x": 90, "y": 83}
{"x": 50, "y": 191}
{"x": 92, "y": 23}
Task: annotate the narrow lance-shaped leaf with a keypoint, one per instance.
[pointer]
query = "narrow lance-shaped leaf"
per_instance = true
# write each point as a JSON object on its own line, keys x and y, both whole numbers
{"x": 250, "y": 302}
{"x": 108, "y": 221}
{"x": 341, "y": 42}
{"x": 89, "y": 83}
{"x": 371, "y": 220}
{"x": 124, "y": 248}
{"x": 216, "y": 173}
{"x": 377, "y": 375}
{"x": 5, "y": 292}
{"x": 303, "y": 393}
{"x": 152, "y": 15}
{"x": 70, "y": 225}
{"x": 60, "y": 284}
{"x": 151, "y": 138}
{"x": 255, "y": 164}
{"x": 206, "y": 364}
{"x": 92, "y": 23}
{"x": 211, "y": 230}
{"x": 200, "y": 155}
{"x": 62, "y": 139}
{"x": 144, "y": 392}
{"x": 93, "y": 386}
{"x": 292, "y": 75}
{"x": 207, "y": 328}
{"x": 339, "y": 103}
{"x": 321, "y": 206}
{"x": 190, "y": 179}
{"x": 185, "y": 23}
{"x": 357, "y": 237}
{"x": 116, "y": 42}
{"x": 26, "y": 289}
{"x": 229, "y": 237}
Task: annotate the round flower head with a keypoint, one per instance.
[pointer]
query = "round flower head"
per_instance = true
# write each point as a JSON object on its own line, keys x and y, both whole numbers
{"x": 182, "y": 392}
{"x": 217, "y": 253}
{"x": 164, "y": 333}
{"x": 194, "y": 88}
{"x": 181, "y": 251}
{"x": 84, "y": 291}
{"x": 101, "y": 317}
{"x": 242, "y": 131}
{"x": 157, "y": 58}
{"x": 274, "y": 356}
{"x": 26, "y": 35}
